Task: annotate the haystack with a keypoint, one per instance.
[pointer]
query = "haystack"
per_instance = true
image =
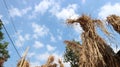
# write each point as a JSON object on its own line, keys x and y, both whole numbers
{"x": 115, "y": 22}
{"x": 94, "y": 51}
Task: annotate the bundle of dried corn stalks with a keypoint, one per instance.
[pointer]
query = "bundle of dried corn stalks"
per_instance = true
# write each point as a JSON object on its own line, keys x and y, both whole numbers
{"x": 94, "y": 51}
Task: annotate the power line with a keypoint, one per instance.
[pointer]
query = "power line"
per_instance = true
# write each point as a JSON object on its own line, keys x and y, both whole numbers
{"x": 11, "y": 19}
{"x": 5, "y": 3}
{"x": 10, "y": 39}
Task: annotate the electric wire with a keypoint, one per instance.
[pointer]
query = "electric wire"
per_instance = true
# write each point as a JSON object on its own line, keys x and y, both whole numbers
{"x": 11, "y": 19}
{"x": 10, "y": 16}
{"x": 10, "y": 39}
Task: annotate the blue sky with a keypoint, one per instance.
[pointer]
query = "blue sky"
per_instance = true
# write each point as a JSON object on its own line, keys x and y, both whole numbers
{"x": 41, "y": 25}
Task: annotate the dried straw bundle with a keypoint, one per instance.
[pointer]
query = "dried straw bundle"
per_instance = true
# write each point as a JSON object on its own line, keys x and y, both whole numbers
{"x": 74, "y": 46}
{"x": 24, "y": 64}
{"x": 94, "y": 52}
{"x": 51, "y": 64}
{"x": 60, "y": 62}
{"x": 115, "y": 22}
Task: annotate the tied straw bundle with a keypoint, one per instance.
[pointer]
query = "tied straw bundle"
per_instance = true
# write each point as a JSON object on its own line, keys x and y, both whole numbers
{"x": 115, "y": 22}
{"x": 94, "y": 51}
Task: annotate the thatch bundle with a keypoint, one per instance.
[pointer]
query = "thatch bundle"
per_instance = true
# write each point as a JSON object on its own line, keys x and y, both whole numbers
{"x": 94, "y": 51}
{"x": 24, "y": 63}
{"x": 50, "y": 63}
{"x": 61, "y": 64}
{"x": 115, "y": 22}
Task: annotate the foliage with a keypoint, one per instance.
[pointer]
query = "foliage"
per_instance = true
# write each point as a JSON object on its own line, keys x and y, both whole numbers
{"x": 71, "y": 56}
{"x": 4, "y": 55}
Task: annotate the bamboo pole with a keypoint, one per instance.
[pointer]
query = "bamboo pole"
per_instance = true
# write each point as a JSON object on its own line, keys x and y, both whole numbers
{"x": 23, "y": 58}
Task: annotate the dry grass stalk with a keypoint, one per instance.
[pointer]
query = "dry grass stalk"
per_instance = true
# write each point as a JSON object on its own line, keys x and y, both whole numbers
{"x": 115, "y": 22}
{"x": 60, "y": 62}
{"x": 100, "y": 24}
{"x": 51, "y": 64}
{"x": 50, "y": 60}
{"x": 94, "y": 50}
{"x": 74, "y": 46}
{"x": 25, "y": 63}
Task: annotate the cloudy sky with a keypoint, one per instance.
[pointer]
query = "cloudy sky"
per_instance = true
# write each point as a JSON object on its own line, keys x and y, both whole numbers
{"x": 40, "y": 24}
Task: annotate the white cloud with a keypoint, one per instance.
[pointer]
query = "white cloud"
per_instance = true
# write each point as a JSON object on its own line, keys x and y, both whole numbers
{"x": 59, "y": 34}
{"x": 43, "y": 6}
{"x": 77, "y": 28}
{"x": 65, "y": 13}
{"x": 31, "y": 54}
{"x": 59, "y": 37}
{"x": 17, "y": 12}
{"x": 1, "y": 16}
{"x": 38, "y": 44}
{"x": 42, "y": 57}
{"x": 27, "y": 36}
{"x": 68, "y": 12}
{"x": 83, "y": 1}
{"x": 109, "y": 9}
{"x": 55, "y": 8}
{"x": 39, "y": 30}
{"x": 35, "y": 63}
{"x": 24, "y": 11}
{"x": 52, "y": 38}
{"x": 21, "y": 39}
{"x": 50, "y": 48}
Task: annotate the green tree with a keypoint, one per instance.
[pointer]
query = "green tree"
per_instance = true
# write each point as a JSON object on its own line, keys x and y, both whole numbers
{"x": 71, "y": 56}
{"x": 4, "y": 55}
